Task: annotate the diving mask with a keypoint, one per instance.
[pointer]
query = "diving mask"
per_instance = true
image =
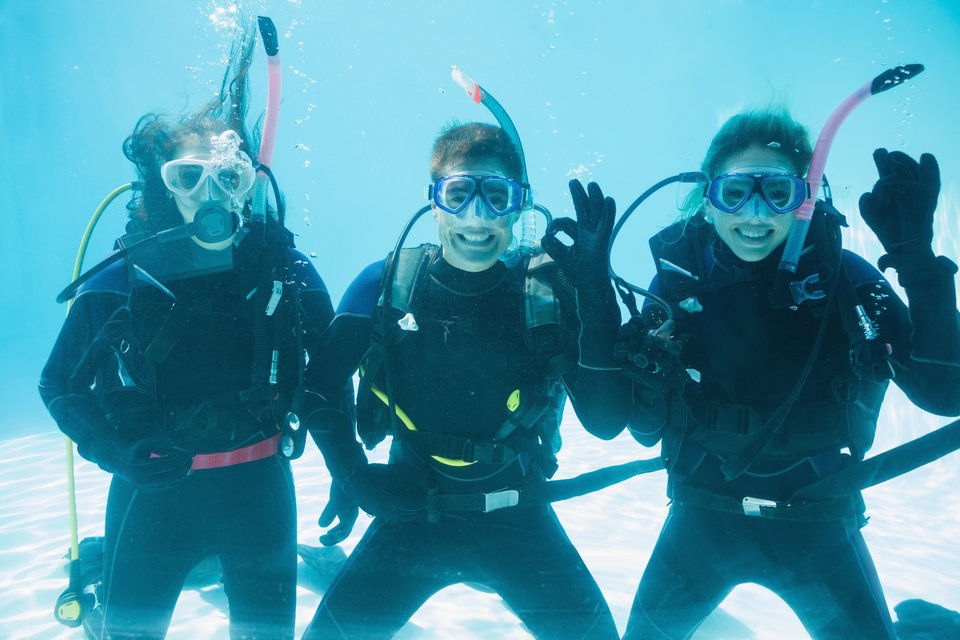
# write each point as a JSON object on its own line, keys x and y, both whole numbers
{"x": 782, "y": 192}
{"x": 502, "y": 195}
{"x": 186, "y": 175}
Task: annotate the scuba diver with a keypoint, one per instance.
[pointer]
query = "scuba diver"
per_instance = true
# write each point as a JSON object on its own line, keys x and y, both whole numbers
{"x": 466, "y": 353}
{"x": 179, "y": 368}
{"x": 756, "y": 390}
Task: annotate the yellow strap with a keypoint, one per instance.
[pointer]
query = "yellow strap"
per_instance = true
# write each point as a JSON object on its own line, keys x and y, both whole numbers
{"x": 405, "y": 419}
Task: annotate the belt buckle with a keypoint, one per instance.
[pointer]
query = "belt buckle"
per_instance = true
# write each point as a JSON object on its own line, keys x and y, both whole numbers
{"x": 752, "y": 506}
{"x": 500, "y": 500}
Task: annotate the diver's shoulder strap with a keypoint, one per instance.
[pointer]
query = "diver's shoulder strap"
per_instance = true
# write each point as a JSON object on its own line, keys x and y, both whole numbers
{"x": 543, "y": 315}
{"x": 410, "y": 272}
{"x": 404, "y": 277}
{"x": 678, "y": 257}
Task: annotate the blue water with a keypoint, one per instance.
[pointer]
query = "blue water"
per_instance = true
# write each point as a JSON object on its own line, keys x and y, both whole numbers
{"x": 620, "y": 92}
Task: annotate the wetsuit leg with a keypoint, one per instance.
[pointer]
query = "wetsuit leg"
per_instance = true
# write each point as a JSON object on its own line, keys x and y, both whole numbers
{"x": 684, "y": 580}
{"x": 527, "y": 558}
{"x": 394, "y": 569}
{"x": 144, "y": 564}
{"x": 831, "y": 583}
{"x": 257, "y": 547}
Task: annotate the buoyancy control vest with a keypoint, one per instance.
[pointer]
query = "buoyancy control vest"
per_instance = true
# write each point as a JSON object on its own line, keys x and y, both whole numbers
{"x": 533, "y": 411}
{"x": 218, "y": 356}
{"x": 845, "y": 417}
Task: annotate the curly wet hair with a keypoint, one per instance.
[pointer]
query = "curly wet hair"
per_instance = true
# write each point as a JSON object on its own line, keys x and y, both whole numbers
{"x": 156, "y": 138}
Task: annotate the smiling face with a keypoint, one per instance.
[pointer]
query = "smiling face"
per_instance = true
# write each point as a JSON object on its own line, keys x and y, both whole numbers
{"x": 753, "y": 232}
{"x": 474, "y": 239}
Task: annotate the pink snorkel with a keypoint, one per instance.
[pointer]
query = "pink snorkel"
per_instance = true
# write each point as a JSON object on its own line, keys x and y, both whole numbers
{"x": 798, "y": 233}
{"x": 268, "y": 33}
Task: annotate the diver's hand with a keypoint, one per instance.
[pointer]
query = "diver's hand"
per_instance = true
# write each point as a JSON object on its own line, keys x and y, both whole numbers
{"x": 900, "y": 207}
{"x": 150, "y": 464}
{"x": 651, "y": 356}
{"x": 339, "y": 507}
{"x": 391, "y": 491}
{"x": 586, "y": 261}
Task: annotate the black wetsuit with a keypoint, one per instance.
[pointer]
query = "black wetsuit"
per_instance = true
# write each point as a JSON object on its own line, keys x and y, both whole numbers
{"x": 454, "y": 375}
{"x": 200, "y": 395}
{"x": 743, "y": 357}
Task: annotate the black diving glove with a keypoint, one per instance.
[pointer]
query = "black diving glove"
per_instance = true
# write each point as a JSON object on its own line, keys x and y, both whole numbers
{"x": 150, "y": 464}
{"x": 395, "y": 492}
{"x": 900, "y": 209}
{"x": 121, "y": 440}
{"x": 650, "y": 355}
{"x": 339, "y": 507}
{"x": 586, "y": 261}
{"x": 586, "y": 264}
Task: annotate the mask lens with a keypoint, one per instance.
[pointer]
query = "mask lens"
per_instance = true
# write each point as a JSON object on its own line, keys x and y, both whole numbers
{"x": 729, "y": 193}
{"x": 501, "y": 195}
{"x": 453, "y": 193}
{"x": 235, "y": 180}
{"x": 782, "y": 193}
{"x": 183, "y": 177}
{"x": 229, "y": 180}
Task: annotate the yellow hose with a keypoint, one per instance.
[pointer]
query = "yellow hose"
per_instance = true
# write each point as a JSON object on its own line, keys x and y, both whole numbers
{"x": 77, "y": 266}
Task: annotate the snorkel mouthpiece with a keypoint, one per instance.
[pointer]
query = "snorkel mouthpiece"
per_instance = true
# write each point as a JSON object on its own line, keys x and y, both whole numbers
{"x": 798, "y": 233}
{"x": 469, "y": 85}
{"x": 893, "y": 77}
{"x": 268, "y": 33}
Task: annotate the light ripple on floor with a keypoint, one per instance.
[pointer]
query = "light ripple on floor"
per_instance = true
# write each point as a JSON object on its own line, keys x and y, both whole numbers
{"x": 915, "y": 522}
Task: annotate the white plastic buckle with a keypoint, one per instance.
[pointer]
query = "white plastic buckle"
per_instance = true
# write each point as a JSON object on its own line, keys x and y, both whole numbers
{"x": 275, "y": 294}
{"x": 500, "y": 500}
{"x": 751, "y": 506}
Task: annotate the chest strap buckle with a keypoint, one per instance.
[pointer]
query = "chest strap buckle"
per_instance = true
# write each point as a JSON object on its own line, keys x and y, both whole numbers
{"x": 755, "y": 506}
{"x": 500, "y": 500}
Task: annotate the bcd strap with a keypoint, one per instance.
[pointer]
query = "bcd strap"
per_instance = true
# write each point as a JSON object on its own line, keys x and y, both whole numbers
{"x": 455, "y": 447}
{"x": 540, "y": 493}
{"x": 408, "y": 278}
{"x": 885, "y": 466}
{"x": 829, "y": 510}
{"x": 542, "y": 315}
{"x": 809, "y": 429}
{"x": 542, "y": 324}
{"x": 172, "y": 329}
{"x": 266, "y": 326}
{"x": 829, "y": 255}
{"x": 458, "y": 450}
{"x": 410, "y": 270}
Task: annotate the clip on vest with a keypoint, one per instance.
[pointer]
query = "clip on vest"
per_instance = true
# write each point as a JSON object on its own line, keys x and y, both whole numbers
{"x": 803, "y": 290}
